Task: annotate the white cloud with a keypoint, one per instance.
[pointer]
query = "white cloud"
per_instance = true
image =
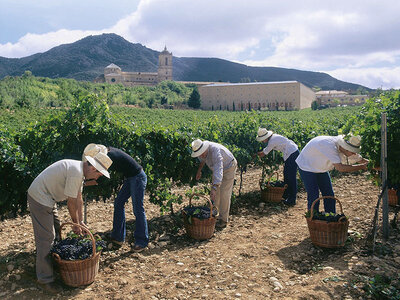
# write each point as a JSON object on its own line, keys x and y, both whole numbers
{"x": 356, "y": 39}
{"x": 35, "y": 43}
{"x": 385, "y": 78}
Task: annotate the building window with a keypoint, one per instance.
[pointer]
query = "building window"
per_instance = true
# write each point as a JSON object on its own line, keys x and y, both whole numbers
{"x": 166, "y": 61}
{"x": 112, "y": 79}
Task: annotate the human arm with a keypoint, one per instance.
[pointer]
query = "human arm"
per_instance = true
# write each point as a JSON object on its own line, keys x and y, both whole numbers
{"x": 75, "y": 210}
{"x": 198, "y": 174}
{"x": 261, "y": 154}
{"x": 350, "y": 168}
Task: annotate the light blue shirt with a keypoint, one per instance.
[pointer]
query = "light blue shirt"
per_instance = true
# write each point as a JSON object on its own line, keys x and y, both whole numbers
{"x": 218, "y": 159}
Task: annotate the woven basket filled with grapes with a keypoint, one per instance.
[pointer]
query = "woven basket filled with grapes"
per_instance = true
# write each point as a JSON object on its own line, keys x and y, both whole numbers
{"x": 77, "y": 257}
{"x": 327, "y": 230}
{"x": 272, "y": 190}
{"x": 199, "y": 221}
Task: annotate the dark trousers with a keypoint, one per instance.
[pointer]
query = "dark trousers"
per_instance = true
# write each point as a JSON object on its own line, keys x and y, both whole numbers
{"x": 314, "y": 183}
{"x": 290, "y": 174}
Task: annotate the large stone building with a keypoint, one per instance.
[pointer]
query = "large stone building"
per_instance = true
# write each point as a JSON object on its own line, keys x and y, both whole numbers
{"x": 283, "y": 95}
{"x": 335, "y": 98}
{"x": 114, "y": 74}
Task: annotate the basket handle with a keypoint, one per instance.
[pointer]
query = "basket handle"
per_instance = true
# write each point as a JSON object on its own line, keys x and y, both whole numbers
{"x": 272, "y": 174}
{"x": 209, "y": 202}
{"x": 321, "y": 198}
{"x": 86, "y": 230}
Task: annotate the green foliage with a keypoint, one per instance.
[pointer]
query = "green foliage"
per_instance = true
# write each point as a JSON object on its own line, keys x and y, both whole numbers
{"x": 158, "y": 139}
{"x": 194, "y": 99}
{"x": 368, "y": 125}
{"x": 29, "y": 91}
{"x": 314, "y": 105}
{"x": 383, "y": 287}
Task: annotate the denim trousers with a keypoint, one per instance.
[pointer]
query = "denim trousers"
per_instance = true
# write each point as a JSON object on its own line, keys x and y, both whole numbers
{"x": 289, "y": 174}
{"x": 133, "y": 187}
{"x": 314, "y": 183}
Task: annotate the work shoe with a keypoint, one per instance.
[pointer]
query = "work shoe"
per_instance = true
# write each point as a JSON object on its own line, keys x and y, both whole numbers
{"x": 115, "y": 245}
{"x": 286, "y": 202}
{"x": 50, "y": 288}
{"x": 137, "y": 248}
{"x": 221, "y": 224}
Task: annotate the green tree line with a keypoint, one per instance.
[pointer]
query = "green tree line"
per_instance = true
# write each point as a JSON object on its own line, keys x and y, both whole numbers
{"x": 28, "y": 91}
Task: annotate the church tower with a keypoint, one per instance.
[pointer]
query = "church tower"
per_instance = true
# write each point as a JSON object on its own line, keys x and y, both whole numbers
{"x": 165, "y": 65}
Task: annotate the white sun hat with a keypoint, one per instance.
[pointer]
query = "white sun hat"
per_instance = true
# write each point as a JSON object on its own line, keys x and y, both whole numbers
{"x": 350, "y": 142}
{"x": 101, "y": 162}
{"x": 198, "y": 147}
{"x": 92, "y": 149}
{"x": 263, "y": 134}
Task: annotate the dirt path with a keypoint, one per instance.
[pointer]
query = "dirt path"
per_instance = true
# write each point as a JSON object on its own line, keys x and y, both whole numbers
{"x": 264, "y": 253}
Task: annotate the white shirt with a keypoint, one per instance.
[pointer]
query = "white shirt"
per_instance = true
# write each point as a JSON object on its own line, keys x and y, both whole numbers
{"x": 319, "y": 155}
{"x": 280, "y": 143}
{"x": 57, "y": 182}
{"x": 218, "y": 159}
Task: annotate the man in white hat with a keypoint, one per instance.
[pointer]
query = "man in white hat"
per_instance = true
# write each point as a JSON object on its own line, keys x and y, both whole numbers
{"x": 322, "y": 154}
{"x": 223, "y": 165}
{"x": 134, "y": 185}
{"x": 63, "y": 180}
{"x": 290, "y": 152}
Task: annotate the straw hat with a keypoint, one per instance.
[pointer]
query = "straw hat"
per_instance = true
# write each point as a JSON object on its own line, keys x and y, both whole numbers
{"x": 92, "y": 149}
{"x": 198, "y": 147}
{"x": 263, "y": 134}
{"x": 101, "y": 162}
{"x": 350, "y": 143}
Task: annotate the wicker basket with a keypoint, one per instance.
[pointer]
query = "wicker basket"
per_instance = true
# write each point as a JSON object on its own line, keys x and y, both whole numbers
{"x": 327, "y": 234}
{"x": 392, "y": 197}
{"x": 199, "y": 229}
{"x": 271, "y": 193}
{"x": 79, "y": 272}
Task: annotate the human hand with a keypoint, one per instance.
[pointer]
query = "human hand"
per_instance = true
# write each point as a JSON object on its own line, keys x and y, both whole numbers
{"x": 213, "y": 194}
{"x": 76, "y": 229}
{"x": 90, "y": 182}
{"x": 198, "y": 175}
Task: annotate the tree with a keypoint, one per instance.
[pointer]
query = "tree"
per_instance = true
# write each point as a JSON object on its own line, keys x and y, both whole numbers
{"x": 314, "y": 105}
{"x": 194, "y": 99}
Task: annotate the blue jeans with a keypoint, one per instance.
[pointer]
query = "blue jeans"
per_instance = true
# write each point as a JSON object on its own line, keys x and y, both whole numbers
{"x": 289, "y": 174}
{"x": 133, "y": 187}
{"x": 314, "y": 183}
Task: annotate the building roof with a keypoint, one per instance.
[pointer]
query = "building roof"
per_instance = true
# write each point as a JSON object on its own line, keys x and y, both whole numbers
{"x": 331, "y": 92}
{"x": 250, "y": 83}
{"x": 112, "y": 66}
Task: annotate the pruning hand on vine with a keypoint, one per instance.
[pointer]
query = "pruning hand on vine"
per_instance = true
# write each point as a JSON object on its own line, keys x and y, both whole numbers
{"x": 223, "y": 166}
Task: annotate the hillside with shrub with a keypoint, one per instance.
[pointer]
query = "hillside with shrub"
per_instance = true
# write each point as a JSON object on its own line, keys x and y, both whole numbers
{"x": 87, "y": 58}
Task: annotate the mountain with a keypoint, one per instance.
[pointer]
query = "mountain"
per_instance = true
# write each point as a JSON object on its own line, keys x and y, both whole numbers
{"x": 87, "y": 58}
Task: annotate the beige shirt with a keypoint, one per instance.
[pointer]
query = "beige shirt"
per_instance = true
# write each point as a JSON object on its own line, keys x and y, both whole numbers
{"x": 57, "y": 182}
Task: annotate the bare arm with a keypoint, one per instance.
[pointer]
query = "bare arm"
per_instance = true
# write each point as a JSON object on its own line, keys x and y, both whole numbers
{"x": 198, "y": 174}
{"x": 350, "y": 168}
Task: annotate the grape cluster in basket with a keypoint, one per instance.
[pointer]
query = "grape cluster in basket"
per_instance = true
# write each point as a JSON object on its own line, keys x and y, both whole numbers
{"x": 324, "y": 216}
{"x": 277, "y": 183}
{"x": 75, "y": 247}
{"x": 200, "y": 212}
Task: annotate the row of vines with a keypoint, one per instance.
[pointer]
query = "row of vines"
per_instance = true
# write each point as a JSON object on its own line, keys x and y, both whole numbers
{"x": 160, "y": 140}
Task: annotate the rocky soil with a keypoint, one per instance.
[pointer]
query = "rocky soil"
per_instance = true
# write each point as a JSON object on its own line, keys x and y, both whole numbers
{"x": 264, "y": 253}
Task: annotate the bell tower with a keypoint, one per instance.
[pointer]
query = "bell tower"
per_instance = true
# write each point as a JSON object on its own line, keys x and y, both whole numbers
{"x": 165, "y": 65}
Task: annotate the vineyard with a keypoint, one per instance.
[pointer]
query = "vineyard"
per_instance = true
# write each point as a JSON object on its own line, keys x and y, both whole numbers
{"x": 32, "y": 139}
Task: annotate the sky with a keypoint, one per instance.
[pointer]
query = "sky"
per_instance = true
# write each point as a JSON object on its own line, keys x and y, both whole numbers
{"x": 356, "y": 41}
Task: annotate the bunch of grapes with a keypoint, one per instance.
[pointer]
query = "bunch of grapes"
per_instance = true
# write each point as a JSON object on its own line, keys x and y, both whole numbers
{"x": 325, "y": 216}
{"x": 277, "y": 183}
{"x": 75, "y": 247}
{"x": 200, "y": 212}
